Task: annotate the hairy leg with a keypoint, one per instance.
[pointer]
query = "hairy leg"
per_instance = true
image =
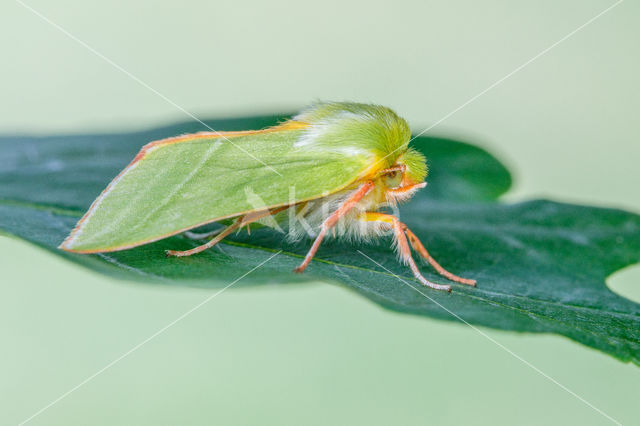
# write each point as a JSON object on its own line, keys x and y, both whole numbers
{"x": 403, "y": 246}
{"x": 333, "y": 219}
{"x": 226, "y": 231}
{"x": 417, "y": 246}
{"x": 239, "y": 223}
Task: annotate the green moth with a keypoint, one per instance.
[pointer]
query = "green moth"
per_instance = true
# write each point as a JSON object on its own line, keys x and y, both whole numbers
{"x": 326, "y": 171}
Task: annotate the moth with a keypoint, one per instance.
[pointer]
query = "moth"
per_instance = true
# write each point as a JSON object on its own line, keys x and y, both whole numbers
{"x": 331, "y": 168}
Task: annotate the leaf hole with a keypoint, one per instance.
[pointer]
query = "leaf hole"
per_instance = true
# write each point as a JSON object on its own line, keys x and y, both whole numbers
{"x": 626, "y": 282}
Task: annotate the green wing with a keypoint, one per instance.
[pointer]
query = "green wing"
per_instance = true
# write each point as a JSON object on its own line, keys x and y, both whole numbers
{"x": 180, "y": 183}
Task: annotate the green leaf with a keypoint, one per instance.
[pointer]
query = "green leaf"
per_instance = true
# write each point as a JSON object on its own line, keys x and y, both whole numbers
{"x": 541, "y": 266}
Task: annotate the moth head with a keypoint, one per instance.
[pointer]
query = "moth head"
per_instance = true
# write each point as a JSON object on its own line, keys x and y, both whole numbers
{"x": 404, "y": 177}
{"x": 414, "y": 167}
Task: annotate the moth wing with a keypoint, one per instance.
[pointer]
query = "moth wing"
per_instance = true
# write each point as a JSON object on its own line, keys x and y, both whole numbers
{"x": 180, "y": 183}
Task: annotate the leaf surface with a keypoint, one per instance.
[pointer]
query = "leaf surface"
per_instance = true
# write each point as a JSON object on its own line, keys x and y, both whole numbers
{"x": 541, "y": 265}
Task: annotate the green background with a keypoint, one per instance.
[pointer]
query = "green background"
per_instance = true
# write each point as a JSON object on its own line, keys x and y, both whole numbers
{"x": 566, "y": 125}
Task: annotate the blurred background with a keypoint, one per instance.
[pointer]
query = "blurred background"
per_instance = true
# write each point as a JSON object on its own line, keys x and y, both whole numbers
{"x": 566, "y": 124}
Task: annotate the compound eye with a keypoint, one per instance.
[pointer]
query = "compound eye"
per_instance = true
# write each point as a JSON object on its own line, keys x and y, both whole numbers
{"x": 393, "y": 179}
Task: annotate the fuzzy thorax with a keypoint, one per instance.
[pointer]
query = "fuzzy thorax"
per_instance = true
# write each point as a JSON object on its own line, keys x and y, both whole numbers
{"x": 306, "y": 219}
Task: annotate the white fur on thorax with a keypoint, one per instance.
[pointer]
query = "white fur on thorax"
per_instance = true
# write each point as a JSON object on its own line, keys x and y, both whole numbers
{"x": 305, "y": 221}
{"x": 313, "y": 134}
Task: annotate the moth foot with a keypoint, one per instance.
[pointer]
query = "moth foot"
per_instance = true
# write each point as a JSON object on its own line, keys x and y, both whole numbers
{"x": 467, "y": 281}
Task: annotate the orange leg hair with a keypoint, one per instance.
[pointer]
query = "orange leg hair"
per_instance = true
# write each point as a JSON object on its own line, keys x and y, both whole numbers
{"x": 333, "y": 219}
{"x": 400, "y": 229}
{"x": 239, "y": 223}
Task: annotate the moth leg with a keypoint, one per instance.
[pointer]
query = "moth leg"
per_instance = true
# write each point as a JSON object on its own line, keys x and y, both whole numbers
{"x": 202, "y": 235}
{"x": 417, "y": 246}
{"x": 333, "y": 219}
{"x": 226, "y": 231}
{"x": 403, "y": 246}
{"x": 240, "y": 222}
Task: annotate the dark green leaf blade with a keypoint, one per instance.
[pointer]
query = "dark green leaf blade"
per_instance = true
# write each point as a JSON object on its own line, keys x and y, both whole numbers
{"x": 541, "y": 266}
